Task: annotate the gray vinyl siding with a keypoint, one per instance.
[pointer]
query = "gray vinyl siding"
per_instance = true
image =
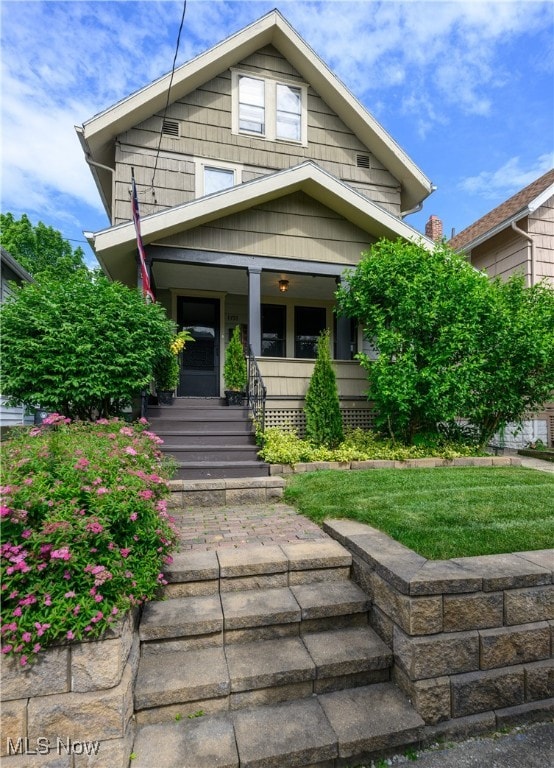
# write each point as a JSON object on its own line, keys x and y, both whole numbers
{"x": 293, "y": 227}
{"x": 541, "y": 228}
{"x": 205, "y": 125}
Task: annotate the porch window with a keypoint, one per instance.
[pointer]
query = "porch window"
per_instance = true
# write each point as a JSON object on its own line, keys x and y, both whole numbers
{"x": 308, "y": 324}
{"x": 251, "y": 105}
{"x": 274, "y": 332}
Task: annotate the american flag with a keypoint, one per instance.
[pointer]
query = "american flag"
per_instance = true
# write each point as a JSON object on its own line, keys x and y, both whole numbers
{"x": 146, "y": 287}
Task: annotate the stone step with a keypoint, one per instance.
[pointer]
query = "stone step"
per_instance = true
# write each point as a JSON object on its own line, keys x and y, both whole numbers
{"x": 246, "y": 674}
{"x": 256, "y": 567}
{"x": 349, "y": 725}
{"x": 254, "y": 614}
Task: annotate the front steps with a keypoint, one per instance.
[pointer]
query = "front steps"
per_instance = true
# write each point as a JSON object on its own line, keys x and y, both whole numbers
{"x": 208, "y": 439}
{"x": 263, "y": 656}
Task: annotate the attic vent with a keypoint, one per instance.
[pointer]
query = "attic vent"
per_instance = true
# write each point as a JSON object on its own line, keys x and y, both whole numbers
{"x": 170, "y": 128}
{"x": 362, "y": 161}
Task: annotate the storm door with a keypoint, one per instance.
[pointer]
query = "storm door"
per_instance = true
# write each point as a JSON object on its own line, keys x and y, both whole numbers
{"x": 199, "y": 375}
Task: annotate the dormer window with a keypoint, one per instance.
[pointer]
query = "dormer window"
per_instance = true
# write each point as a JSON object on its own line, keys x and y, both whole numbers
{"x": 269, "y": 109}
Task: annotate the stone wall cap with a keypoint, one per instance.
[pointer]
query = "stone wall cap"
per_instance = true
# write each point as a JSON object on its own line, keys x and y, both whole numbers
{"x": 505, "y": 571}
{"x": 192, "y": 566}
{"x": 542, "y": 557}
{"x": 443, "y": 576}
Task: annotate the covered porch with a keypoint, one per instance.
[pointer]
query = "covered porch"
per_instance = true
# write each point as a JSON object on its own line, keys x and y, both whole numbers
{"x": 281, "y": 307}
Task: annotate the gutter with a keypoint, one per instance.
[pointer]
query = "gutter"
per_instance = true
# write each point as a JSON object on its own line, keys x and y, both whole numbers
{"x": 530, "y": 240}
{"x": 93, "y": 165}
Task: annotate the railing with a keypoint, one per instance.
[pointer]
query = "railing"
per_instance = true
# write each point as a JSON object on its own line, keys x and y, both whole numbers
{"x": 256, "y": 392}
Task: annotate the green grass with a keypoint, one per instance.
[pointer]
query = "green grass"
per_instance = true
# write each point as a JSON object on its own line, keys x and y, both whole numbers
{"x": 440, "y": 513}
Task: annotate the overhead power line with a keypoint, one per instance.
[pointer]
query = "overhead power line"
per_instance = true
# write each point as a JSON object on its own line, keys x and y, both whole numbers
{"x": 169, "y": 91}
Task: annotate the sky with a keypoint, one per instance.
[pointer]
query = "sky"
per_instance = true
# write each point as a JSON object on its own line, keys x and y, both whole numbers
{"x": 465, "y": 87}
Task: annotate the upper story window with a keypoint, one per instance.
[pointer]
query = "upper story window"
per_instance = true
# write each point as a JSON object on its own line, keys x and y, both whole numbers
{"x": 251, "y": 105}
{"x": 215, "y": 176}
{"x": 270, "y": 109}
{"x": 216, "y": 179}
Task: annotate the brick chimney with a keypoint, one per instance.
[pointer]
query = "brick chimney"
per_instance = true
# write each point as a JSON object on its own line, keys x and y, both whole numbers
{"x": 433, "y": 228}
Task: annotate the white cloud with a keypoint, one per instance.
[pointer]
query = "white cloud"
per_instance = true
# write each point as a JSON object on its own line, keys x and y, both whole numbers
{"x": 508, "y": 179}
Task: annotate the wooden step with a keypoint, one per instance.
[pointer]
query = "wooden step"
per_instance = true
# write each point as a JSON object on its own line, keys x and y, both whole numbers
{"x": 194, "y": 470}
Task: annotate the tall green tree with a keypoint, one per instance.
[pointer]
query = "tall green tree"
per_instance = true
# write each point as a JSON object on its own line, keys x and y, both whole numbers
{"x": 82, "y": 346}
{"x": 39, "y": 249}
{"x": 450, "y": 342}
{"x": 322, "y": 408}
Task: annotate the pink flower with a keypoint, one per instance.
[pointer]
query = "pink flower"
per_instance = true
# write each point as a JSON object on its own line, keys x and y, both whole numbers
{"x": 146, "y": 494}
{"x": 36, "y": 647}
{"x": 130, "y": 451}
{"x": 127, "y": 431}
{"x": 61, "y": 554}
{"x": 7, "y": 648}
{"x": 124, "y": 551}
{"x": 76, "y": 610}
{"x": 28, "y": 481}
{"x": 82, "y": 464}
{"x": 17, "y": 611}
{"x": 115, "y": 611}
{"x": 133, "y": 516}
{"x": 98, "y": 598}
{"x": 26, "y": 533}
{"x": 70, "y": 594}
{"x": 23, "y": 661}
{"x": 70, "y": 635}
{"x": 142, "y": 420}
{"x": 101, "y": 491}
{"x": 47, "y": 600}
{"x": 94, "y": 527}
{"x": 26, "y": 637}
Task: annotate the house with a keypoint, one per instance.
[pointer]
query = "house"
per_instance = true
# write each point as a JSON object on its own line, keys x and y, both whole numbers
{"x": 518, "y": 236}
{"x": 259, "y": 185}
{"x": 11, "y": 272}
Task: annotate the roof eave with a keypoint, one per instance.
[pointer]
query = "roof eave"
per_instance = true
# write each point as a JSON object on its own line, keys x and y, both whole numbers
{"x": 308, "y": 177}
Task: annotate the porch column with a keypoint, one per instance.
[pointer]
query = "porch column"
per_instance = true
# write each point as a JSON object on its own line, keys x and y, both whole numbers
{"x": 343, "y": 338}
{"x": 255, "y": 310}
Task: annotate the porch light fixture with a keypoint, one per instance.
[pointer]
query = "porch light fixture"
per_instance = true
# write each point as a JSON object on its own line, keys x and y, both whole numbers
{"x": 283, "y": 286}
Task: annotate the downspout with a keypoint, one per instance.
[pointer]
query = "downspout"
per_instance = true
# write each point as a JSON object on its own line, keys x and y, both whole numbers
{"x": 530, "y": 240}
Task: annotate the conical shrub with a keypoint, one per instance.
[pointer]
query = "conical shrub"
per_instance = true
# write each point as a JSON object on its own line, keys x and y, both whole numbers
{"x": 323, "y": 417}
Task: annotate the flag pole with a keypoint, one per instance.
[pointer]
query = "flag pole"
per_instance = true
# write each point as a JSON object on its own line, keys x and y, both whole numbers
{"x": 144, "y": 273}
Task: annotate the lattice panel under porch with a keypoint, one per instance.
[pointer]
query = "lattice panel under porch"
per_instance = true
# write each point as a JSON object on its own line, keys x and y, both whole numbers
{"x": 295, "y": 419}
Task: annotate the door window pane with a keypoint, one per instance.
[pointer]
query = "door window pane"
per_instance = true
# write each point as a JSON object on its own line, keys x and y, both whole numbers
{"x": 216, "y": 179}
{"x": 251, "y": 105}
{"x": 289, "y": 110}
{"x": 308, "y": 324}
{"x": 273, "y": 330}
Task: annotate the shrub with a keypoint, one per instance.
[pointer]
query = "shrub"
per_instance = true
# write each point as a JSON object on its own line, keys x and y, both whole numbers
{"x": 234, "y": 370}
{"x": 280, "y": 447}
{"x": 84, "y": 529}
{"x": 82, "y": 346}
{"x": 322, "y": 409}
{"x": 167, "y": 365}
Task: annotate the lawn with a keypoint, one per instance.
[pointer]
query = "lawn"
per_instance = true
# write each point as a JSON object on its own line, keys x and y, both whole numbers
{"x": 440, "y": 513}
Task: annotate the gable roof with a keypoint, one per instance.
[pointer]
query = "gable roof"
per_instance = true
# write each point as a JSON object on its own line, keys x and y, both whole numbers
{"x": 98, "y": 134}
{"x": 116, "y": 243}
{"x": 521, "y": 204}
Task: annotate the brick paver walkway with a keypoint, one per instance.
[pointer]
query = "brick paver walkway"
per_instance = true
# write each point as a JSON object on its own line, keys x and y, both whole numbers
{"x": 209, "y": 528}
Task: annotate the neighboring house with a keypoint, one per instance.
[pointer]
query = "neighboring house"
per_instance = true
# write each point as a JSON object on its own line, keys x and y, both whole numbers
{"x": 270, "y": 181}
{"x": 518, "y": 236}
{"x": 11, "y": 272}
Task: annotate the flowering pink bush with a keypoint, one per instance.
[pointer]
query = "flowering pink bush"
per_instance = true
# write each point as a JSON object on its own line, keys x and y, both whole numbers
{"x": 85, "y": 531}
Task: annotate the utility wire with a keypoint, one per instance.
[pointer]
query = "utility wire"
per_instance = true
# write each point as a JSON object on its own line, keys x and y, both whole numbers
{"x": 169, "y": 91}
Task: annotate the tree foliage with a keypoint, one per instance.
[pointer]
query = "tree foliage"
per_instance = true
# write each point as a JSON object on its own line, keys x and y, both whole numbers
{"x": 322, "y": 409}
{"x": 450, "y": 342}
{"x": 39, "y": 249}
{"x": 83, "y": 346}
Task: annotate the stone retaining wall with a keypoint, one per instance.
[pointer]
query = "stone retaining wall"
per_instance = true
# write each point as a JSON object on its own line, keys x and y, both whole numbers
{"x": 429, "y": 463}
{"x": 73, "y": 707}
{"x": 471, "y": 636}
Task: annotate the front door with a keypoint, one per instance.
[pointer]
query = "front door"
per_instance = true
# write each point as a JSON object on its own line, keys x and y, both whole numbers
{"x": 199, "y": 375}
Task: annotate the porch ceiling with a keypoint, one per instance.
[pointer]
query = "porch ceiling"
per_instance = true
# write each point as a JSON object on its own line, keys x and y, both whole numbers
{"x": 192, "y": 277}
